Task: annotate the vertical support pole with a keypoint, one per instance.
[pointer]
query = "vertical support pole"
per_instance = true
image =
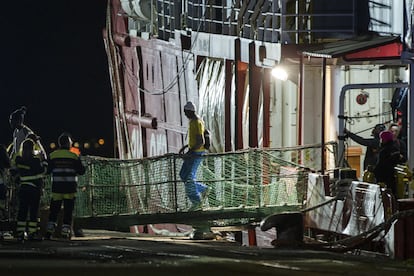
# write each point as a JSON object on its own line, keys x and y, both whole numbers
{"x": 240, "y": 79}
{"x": 300, "y": 102}
{"x": 142, "y": 100}
{"x": 266, "y": 107}
{"x": 227, "y": 106}
{"x": 255, "y": 78}
{"x": 174, "y": 175}
{"x": 410, "y": 116}
{"x": 323, "y": 115}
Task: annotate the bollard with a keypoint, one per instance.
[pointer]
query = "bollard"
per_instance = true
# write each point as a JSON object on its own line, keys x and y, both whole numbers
{"x": 289, "y": 228}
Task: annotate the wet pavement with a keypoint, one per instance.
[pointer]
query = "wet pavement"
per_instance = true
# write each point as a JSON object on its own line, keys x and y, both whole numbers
{"x": 113, "y": 253}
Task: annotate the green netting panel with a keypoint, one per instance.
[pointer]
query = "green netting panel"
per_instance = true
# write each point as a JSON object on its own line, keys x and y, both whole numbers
{"x": 243, "y": 179}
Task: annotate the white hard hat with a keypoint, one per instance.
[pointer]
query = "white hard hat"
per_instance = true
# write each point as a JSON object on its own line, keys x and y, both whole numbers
{"x": 189, "y": 106}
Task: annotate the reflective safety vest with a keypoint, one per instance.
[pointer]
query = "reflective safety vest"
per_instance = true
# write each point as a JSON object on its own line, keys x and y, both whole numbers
{"x": 64, "y": 167}
{"x": 31, "y": 171}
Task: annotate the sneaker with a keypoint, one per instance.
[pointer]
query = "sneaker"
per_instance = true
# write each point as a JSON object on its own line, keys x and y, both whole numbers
{"x": 48, "y": 236}
{"x": 78, "y": 232}
{"x": 66, "y": 233}
{"x": 204, "y": 194}
{"x": 195, "y": 207}
{"x": 3, "y": 214}
{"x": 51, "y": 226}
{"x": 21, "y": 236}
{"x": 34, "y": 237}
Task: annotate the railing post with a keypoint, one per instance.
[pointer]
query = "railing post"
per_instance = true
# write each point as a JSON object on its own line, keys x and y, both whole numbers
{"x": 92, "y": 187}
{"x": 258, "y": 176}
{"x": 174, "y": 165}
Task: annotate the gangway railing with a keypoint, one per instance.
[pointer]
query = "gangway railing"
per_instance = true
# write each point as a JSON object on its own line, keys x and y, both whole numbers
{"x": 245, "y": 186}
{"x": 282, "y": 21}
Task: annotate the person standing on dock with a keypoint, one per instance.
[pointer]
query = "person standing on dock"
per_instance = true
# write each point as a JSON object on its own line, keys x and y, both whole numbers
{"x": 64, "y": 167}
{"x": 31, "y": 171}
{"x": 22, "y": 132}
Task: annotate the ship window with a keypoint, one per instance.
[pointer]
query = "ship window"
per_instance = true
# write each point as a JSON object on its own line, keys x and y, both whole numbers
{"x": 152, "y": 74}
{"x": 147, "y": 70}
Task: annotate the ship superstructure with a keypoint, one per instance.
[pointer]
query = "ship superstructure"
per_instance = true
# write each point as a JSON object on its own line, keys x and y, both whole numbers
{"x": 220, "y": 54}
{"x": 343, "y": 61}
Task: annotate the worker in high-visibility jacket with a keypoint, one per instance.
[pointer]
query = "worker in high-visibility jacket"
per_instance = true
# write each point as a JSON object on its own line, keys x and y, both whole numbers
{"x": 20, "y": 133}
{"x": 31, "y": 171}
{"x": 64, "y": 167}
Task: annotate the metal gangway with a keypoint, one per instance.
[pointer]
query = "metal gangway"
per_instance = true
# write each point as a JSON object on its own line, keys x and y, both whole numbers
{"x": 245, "y": 187}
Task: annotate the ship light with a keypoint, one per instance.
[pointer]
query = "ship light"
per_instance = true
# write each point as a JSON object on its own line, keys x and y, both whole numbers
{"x": 279, "y": 73}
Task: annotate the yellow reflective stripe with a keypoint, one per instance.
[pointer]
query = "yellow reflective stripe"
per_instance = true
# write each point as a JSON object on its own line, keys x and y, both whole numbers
{"x": 60, "y": 196}
{"x": 63, "y": 154}
{"x": 64, "y": 170}
{"x": 21, "y": 166}
{"x": 32, "y": 227}
{"x": 64, "y": 178}
{"x": 28, "y": 183}
{"x": 21, "y": 226}
{"x": 31, "y": 177}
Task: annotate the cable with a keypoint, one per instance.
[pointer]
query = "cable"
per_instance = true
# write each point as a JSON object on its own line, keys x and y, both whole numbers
{"x": 319, "y": 205}
{"x": 344, "y": 117}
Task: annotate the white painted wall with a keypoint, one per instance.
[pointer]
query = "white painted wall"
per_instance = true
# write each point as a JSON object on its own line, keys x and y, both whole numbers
{"x": 283, "y": 114}
{"x": 285, "y": 97}
{"x": 312, "y": 105}
{"x": 392, "y": 14}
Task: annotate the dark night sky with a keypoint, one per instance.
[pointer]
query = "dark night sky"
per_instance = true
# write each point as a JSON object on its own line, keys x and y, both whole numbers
{"x": 54, "y": 62}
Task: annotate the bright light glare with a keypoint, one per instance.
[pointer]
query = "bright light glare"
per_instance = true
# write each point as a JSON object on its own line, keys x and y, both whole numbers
{"x": 279, "y": 73}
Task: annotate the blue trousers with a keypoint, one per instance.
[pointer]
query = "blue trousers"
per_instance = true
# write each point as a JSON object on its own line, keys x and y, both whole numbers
{"x": 188, "y": 172}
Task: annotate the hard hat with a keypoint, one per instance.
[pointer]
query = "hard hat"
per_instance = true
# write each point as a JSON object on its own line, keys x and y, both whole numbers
{"x": 27, "y": 145}
{"x": 65, "y": 140}
{"x": 18, "y": 114}
{"x": 189, "y": 106}
{"x": 380, "y": 127}
{"x": 377, "y": 130}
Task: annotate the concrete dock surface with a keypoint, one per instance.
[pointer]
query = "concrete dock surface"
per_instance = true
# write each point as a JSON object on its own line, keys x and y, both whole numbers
{"x": 124, "y": 254}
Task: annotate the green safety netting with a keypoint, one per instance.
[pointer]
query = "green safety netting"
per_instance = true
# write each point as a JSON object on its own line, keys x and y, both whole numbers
{"x": 244, "y": 179}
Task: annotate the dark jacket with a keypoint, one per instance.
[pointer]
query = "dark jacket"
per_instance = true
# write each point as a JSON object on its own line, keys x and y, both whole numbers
{"x": 65, "y": 166}
{"x": 388, "y": 158}
{"x": 373, "y": 147}
{"x": 402, "y": 146}
{"x": 31, "y": 171}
